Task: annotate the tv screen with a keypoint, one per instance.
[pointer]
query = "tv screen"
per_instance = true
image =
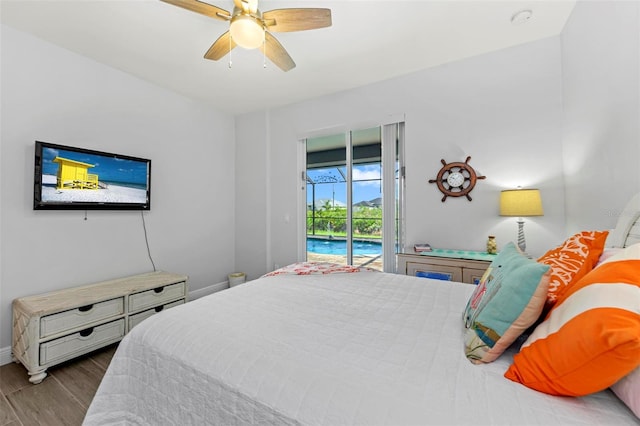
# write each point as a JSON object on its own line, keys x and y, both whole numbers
{"x": 67, "y": 177}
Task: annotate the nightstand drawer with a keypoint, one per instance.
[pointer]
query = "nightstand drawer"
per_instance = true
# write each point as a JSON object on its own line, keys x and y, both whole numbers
{"x": 138, "y": 318}
{"x": 155, "y": 297}
{"x": 82, "y": 342}
{"x": 438, "y": 272}
{"x": 450, "y": 265}
{"x": 472, "y": 276}
{"x": 84, "y": 315}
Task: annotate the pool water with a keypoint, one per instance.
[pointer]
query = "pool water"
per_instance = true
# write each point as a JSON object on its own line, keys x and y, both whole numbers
{"x": 339, "y": 247}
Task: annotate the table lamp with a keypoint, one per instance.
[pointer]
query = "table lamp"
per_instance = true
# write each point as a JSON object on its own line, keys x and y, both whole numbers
{"x": 521, "y": 203}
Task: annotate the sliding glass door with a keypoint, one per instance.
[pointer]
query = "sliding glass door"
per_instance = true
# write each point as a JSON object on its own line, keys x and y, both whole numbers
{"x": 353, "y": 197}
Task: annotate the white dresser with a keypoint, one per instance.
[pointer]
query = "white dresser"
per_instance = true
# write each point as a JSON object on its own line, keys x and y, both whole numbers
{"x": 54, "y": 327}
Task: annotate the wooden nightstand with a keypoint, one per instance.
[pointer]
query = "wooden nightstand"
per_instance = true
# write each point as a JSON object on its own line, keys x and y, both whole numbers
{"x": 451, "y": 265}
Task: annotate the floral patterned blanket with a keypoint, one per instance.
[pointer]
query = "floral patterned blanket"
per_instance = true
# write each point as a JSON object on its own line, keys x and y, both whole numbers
{"x": 318, "y": 268}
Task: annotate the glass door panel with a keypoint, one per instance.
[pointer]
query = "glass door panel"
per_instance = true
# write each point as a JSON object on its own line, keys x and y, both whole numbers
{"x": 326, "y": 185}
{"x": 366, "y": 195}
{"x": 345, "y": 183}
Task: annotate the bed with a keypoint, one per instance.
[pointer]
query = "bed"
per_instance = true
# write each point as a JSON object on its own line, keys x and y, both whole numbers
{"x": 352, "y": 347}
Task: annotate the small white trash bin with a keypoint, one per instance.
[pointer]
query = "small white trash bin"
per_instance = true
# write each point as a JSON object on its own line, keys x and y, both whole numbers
{"x": 237, "y": 278}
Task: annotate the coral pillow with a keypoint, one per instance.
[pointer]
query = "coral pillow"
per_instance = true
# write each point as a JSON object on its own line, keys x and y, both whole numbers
{"x": 628, "y": 390}
{"x": 507, "y": 300}
{"x": 591, "y": 337}
{"x": 572, "y": 260}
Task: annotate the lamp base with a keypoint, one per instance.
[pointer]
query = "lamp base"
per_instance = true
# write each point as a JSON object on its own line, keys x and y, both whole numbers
{"x": 522, "y": 244}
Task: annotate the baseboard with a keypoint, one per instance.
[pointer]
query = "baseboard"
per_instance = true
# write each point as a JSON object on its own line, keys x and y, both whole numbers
{"x": 5, "y": 353}
{"x": 196, "y": 294}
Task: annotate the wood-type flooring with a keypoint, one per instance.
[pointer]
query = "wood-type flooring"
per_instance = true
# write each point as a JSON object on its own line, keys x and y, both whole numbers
{"x": 62, "y": 398}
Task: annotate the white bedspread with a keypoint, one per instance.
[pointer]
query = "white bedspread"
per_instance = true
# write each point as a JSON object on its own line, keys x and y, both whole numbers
{"x": 362, "y": 348}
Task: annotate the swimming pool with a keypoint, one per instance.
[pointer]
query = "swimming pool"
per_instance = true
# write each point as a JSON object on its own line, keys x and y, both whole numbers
{"x": 339, "y": 247}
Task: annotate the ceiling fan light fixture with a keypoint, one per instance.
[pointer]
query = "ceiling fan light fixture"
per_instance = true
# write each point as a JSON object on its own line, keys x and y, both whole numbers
{"x": 248, "y": 27}
{"x": 246, "y": 31}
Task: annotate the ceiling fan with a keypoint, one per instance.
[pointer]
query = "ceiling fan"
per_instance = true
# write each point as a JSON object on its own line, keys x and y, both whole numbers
{"x": 250, "y": 28}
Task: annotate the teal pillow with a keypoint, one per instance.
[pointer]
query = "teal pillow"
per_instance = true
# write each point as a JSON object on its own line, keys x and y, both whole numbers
{"x": 508, "y": 299}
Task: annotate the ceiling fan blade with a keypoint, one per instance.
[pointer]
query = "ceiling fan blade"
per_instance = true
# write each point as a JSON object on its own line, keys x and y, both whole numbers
{"x": 287, "y": 20}
{"x": 220, "y": 47}
{"x": 202, "y": 8}
{"x": 276, "y": 53}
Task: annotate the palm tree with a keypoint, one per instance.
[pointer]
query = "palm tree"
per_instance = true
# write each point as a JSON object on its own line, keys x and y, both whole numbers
{"x": 328, "y": 207}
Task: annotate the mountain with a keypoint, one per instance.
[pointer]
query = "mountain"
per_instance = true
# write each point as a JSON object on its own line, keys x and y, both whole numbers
{"x": 376, "y": 202}
{"x": 320, "y": 203}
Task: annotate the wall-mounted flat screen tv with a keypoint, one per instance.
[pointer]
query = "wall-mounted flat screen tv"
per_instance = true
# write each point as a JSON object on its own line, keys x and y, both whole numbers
{"x": 67, "y": 177}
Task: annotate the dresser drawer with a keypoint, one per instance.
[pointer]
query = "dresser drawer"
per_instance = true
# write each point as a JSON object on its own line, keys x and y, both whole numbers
{"x": 84, "y": 315}
{"x": 156, "y": 296}
{"x": 82, "y": 342}
{"x": 138, "y": 318}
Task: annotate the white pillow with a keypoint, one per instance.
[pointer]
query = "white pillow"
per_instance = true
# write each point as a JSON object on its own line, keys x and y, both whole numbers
{"x": 628, "y": 390}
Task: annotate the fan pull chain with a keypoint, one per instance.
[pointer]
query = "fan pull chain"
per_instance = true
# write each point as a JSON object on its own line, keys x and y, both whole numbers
{"x": 264, "y": 50}
{"x": 230, "y": 61}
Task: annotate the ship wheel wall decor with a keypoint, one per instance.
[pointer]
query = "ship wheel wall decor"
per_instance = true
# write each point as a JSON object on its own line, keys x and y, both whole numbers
{"x": 456, "y": 179}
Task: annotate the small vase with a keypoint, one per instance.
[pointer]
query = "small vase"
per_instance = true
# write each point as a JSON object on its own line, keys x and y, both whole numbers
{"x": 492, "y": 246}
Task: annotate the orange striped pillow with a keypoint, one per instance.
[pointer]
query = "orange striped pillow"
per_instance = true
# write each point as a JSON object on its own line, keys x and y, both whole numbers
{"x": 591, "y": 337}
{"x": 572, "y": 260}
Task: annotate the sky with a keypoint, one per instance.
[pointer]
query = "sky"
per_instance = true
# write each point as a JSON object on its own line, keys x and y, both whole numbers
{"x": 367, "y": 184}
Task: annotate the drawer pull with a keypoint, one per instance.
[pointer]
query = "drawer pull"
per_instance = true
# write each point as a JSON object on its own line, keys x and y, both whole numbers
{"x": 159, "y": 308}
{"x": 85, "y": 308}
{"x": 87, "y": 332}
{"x": 158, "y": 290}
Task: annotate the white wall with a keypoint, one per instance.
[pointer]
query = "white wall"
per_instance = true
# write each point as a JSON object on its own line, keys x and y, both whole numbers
{"x": 601, "y": 89}
{"x": 251, "y": 195}
{"x": 561, "y": 114}
{"x": 504, "y": 109}
{"x": 54, "y": 95}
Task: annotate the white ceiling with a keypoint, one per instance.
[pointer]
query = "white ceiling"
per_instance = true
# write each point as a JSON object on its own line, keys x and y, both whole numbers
{"x": 369, "y": 41}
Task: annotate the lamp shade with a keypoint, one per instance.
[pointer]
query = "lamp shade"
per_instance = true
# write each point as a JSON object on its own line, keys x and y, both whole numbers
{"x": 521, "y": 202}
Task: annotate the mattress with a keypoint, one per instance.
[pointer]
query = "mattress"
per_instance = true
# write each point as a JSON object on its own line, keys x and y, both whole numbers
{"x": 361, "y": 348}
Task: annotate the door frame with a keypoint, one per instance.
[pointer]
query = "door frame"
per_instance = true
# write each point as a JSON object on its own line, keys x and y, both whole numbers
{"x": 390, "y": 186}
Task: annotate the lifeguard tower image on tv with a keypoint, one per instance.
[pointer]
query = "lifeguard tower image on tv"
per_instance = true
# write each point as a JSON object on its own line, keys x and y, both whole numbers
{"x": 93, "y": 178}
{"x": 75, "y": 175}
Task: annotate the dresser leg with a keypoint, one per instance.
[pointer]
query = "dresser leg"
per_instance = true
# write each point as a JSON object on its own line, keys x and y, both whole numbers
{"x": 37, "y": 376}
